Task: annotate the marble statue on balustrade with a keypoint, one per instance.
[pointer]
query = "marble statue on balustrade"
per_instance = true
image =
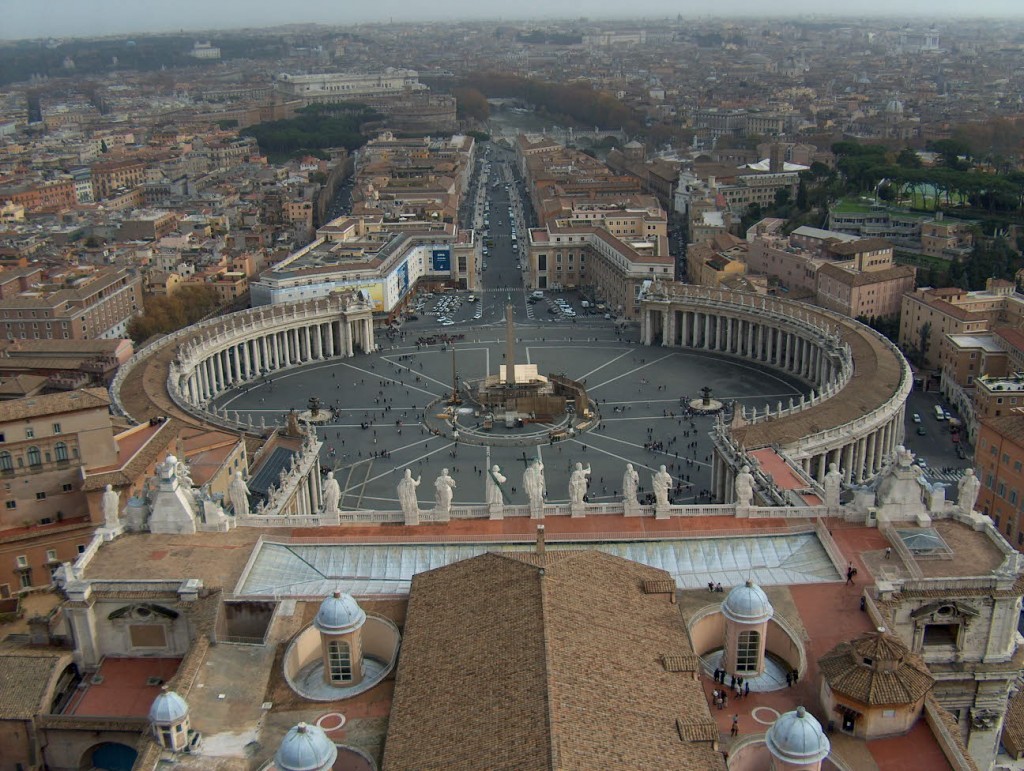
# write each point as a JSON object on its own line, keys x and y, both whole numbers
{"x": 578, "y": 487}
{"x": 444, "y": 487}
{"x": 493, "y": 481}
{"x": 407, "y": 498}
{"x": 901, "y": 494}
{"x": 661, "y": 483}
{"x": 173, "y": 508}
{"x": 332, "y": 494}
{"x": 238, "y": 493}
{"x": 744, "y": 488}
{"x": 967, "y": 489}
{"x": 111, "y": 505}
{"x": 832, "y": 484}
{"x": 534, "y": 485}
{"x": 630, "y": 487}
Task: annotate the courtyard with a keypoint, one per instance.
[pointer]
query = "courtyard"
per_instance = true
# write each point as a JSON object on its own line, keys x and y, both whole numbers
{"x": 377, "y": 403}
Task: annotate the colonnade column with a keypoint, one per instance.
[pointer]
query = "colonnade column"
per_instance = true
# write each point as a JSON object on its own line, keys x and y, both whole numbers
{"x": 218, "y": 369}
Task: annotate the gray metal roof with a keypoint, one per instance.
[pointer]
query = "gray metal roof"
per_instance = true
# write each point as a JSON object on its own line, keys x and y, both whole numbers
{"x": 317, "y": 570}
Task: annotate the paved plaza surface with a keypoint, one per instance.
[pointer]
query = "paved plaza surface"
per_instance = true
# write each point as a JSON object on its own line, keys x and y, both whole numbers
{"x": 380, "y": 400}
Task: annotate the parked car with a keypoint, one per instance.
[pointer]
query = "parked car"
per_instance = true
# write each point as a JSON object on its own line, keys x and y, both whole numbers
{"x": 916, "y": 418}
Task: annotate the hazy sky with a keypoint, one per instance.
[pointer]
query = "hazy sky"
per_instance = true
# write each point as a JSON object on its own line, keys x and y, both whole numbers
{"x": 65, "y": 18}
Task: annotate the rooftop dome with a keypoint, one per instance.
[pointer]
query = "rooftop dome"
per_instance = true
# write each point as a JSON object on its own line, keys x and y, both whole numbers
{"x": 747, "y": 604}
{"x": 339, "y": 614}
{"x": 305, "y": 748}
{"x": 796, "y": 737}
{"x": 168, "y": 707}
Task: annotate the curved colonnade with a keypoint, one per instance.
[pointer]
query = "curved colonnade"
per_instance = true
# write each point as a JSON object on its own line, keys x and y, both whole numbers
{"x": 181, "y": 373}
{"x": 860, "y": 380}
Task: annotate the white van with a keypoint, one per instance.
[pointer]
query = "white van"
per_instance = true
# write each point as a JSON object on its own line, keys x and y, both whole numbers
{"x": 537, "y": 294}
{"x": 940, "y": 414}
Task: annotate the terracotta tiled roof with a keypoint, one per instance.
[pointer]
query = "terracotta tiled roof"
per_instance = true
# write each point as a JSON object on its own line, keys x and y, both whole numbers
{"x": 128, "y": 474}
{"x": 553, "y": 661}
{"x": 25, "y": 682}
{"x": 893, "y": 676}
{"x": 1013, "y": 725}
{"x": 35, "y": 406}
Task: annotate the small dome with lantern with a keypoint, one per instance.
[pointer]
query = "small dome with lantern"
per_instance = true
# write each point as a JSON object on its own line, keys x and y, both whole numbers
{"x": 339, "y": 614}
{"x": 796, "y": 738}
{"x": 168, "y": 708}
{"x": 305, "y": 748}
{"x": 747, "y": 604}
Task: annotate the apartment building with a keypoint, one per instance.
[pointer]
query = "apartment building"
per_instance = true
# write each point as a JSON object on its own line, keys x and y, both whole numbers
{"x": 591, "y": 258}
{"x": 81, "y": 304}
{"x": 344, "y": 86}
{"x": 928, "y": 314}
{"x": 383, "y": 260}
{"x": 115, "y": 175}
{"x": 52, "y": 195}
{"x": 999, "y": 463}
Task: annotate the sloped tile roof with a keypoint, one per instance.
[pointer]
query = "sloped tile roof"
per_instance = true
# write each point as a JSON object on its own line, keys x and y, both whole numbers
{"x": 25, "y": 682}
{"x": 545, "y": 661}
{"x": 895, "y": 676}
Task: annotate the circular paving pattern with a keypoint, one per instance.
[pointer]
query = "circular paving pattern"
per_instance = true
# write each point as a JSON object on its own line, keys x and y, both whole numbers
{"x": 378, "y": 423}
{"x": 764, "y": 715}
{"x": 331, "y": 721}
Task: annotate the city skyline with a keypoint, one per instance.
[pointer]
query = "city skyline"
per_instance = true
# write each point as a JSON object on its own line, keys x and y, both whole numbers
{"x": 94, "y": 18}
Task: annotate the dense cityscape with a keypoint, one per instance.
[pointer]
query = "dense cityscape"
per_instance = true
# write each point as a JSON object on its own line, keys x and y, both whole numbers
{"x": 562, "y": 394}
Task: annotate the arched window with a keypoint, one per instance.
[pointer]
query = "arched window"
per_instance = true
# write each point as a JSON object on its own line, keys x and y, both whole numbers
{"x": 747, "y": 649}
{"x": 61, "y": 451}
{"x": 6, "y": 463}
{"x": 339, "y": 660}
{"x": 34, "y": 458}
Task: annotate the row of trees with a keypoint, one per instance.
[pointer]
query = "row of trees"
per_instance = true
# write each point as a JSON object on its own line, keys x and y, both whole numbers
{"x": 314, "y": 128}
{"x": 189, "y": 304}
{"x": 901, "y": 176}
{"x": 575, "y": 103}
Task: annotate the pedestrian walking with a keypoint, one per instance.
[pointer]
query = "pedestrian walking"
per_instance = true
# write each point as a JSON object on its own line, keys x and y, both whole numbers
{"x": 735, "y": 730}
{"x": 888, "y": 552}
{"x": 746, "y": 689}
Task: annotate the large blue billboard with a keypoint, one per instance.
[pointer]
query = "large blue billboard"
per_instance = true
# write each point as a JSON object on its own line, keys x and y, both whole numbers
{"x": 441, "y": 261}
{"x": 403, "y": 278}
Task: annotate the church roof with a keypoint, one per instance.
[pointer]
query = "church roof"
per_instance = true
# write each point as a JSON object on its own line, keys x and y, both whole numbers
{"x": 545, "y": 661}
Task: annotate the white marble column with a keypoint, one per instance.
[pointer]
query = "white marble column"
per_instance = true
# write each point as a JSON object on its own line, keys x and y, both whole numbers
{"x": 307, "y": 341}
{"x": 219, "y": 376}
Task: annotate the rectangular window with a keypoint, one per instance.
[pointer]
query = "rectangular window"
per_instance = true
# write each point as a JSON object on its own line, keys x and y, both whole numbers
{"x": 339, "y": 659}
{"x": 11, "y": 504}
{"x": 1001, "y": 491}
{"x": 40, "y": 496}
{"x": 51, "y": 555}
{"x": 22, "y": 561}
{"x": 1013, "y": 497}
{"x": 66, "y": 488}
{"x": 747, "y": 649}
{"x": 30, "y": 432}
{"x": 56, "y": 428}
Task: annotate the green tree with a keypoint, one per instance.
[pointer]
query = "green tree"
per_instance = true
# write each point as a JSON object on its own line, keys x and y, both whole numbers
{"x": 908, "y": 159}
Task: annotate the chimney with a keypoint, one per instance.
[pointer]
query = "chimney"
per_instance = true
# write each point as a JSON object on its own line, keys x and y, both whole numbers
{"x": 39, "y": 630}
{"x": 540, "y": 539}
